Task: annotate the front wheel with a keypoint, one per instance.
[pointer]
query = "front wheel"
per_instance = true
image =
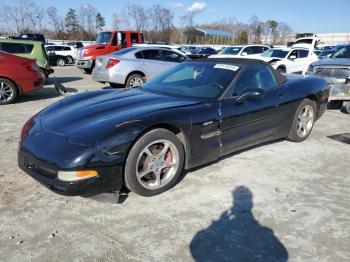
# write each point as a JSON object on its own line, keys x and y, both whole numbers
{"x": 61, "y": 62}
{"x": 303, "y": 121}
{"x": 154, "y": 163}
{"x": 8, "y": 91}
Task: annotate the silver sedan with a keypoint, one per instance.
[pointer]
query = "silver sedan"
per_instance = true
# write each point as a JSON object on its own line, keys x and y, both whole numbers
{"x": 134, "y": 66}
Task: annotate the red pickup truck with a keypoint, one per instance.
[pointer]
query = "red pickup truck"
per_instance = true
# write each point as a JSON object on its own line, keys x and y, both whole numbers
{"x": 106, "y": 42}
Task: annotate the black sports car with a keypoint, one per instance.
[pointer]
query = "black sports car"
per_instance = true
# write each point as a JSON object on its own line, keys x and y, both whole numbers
{"x": 142, "y": 138}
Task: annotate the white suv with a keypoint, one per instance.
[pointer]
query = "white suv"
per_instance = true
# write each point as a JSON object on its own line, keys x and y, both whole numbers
{"x": 65, "y": 50}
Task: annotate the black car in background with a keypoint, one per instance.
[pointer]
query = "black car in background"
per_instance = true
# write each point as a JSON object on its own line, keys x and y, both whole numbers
{"x": 58, "y": 60}
{"x": 32, "y": 37}
{"x": 202, "y": 52}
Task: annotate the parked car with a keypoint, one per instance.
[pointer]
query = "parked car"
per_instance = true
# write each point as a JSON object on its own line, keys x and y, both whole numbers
{"x": 18, "y": 76}
{"x": 336, "y": 70}
{"x": 107, "y": 42}
{"x": 144, "y": 137}
{"x": 75, "y": 44}
{"x": 134, "y": 66}
{"x": 202, "y": 52}
{"x": 63, "y": 50}
{"x": 288, "y": 60}
{"x": 31, "y": 37}
{"x": 58, "y": 60}
{"x": 241, "y": 50}
{"x": 29, "y": 49}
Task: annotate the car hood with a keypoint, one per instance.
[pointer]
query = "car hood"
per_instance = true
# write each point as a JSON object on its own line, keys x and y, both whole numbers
{"x": 332, "y": 61}
{"x": 104, "y": 110}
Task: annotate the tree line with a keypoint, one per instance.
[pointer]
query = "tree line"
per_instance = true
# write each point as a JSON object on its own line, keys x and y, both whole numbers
{"x": 156, "y": 22}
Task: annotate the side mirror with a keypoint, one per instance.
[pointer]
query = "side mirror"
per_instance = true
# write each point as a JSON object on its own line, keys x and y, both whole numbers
{"x": 251, "y": 94}
{"x": 119, "y": 38}
{"x": 244, "y": 54}
{"x": 292, "y": 57}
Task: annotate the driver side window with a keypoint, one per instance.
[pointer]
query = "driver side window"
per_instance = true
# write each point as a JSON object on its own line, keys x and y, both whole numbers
{"x": 257, "y": 76}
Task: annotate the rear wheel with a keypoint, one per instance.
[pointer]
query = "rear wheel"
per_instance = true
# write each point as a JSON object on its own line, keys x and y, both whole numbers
{"x": 154, "y": 163}
{"x": 303, "y": 121}
{"x": 70, "y": 60}
{"x": 8, "y": 91}
{"x": 135, "y": 80}
{"x": 346, "y": 108}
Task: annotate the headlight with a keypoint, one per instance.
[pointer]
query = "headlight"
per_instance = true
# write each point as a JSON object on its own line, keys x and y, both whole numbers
{"x": 72, "y": 176}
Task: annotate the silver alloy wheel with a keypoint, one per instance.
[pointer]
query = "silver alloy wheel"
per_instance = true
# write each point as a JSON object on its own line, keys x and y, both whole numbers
{"x": 6, "y": 92}
{"x": 60, "y": 62}
{"x": 136, "y": 81}
{"x": 157, "y": 164}
{"x": 305, "y": 121}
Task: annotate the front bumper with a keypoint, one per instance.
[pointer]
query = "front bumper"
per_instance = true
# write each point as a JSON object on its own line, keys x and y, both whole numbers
{"x": 109, "y": 178}
{"x": 84, "y": 64}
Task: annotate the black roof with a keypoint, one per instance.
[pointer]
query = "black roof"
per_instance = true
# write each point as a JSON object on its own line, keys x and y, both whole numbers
{"x": 244, "y": 62}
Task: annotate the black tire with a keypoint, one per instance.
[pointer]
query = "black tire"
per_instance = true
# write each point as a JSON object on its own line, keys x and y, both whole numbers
{"x": 8, "y": 91}
{"x": 346, "y": 108}
{"x": 136, "y": 153}
{"x": 61, "y": 62}
{"x": 43, "y": 74}
{"x": 135, "y": 78}
{"x": 70, "y": 60}
{"x": 281, "y": 70}
{"x": 87, "y": 70}
{"x": 293, "y": 135}
{"x": 336, "y": 104}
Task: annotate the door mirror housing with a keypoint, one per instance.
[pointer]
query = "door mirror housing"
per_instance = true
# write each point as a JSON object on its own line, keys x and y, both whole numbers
{"x": 292, "y": 57}
{"x": 255, "y": 93}
{"x": 244, "y": 53}
{"x": 119, "y": 38}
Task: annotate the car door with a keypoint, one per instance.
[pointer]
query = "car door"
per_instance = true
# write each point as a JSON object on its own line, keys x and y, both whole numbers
{"x": 152, "y": 63}
{"x": 292, "y": 62}
{"x": 302, "y": 59}
{"x": 254, "y": 120}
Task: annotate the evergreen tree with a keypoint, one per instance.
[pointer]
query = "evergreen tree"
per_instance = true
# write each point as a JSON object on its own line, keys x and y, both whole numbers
{"x": 71, "y": 20}
{"x": 100, "y": 22}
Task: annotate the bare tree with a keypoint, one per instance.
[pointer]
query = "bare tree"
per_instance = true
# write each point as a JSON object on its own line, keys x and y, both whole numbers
{"x": 53, "y": 17}
{"x": 162, "y": 23}
{"x": 116, "y": 21}
{"x": 138, "y": 15}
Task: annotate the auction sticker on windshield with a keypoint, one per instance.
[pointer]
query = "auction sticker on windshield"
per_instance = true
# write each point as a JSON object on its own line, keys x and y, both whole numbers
{"x": 227, "y": 67}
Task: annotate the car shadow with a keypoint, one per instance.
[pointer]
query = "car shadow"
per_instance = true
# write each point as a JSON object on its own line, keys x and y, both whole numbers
{"x": 63, "y": 79}
{"x": 187, "y": 171}
{"x": 237, "y": 235}
{"x": 45, "y": 93}
{"x": 344, "y": 138}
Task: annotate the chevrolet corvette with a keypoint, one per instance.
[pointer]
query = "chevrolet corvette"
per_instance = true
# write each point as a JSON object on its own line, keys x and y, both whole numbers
{"x": 144, "y": 137}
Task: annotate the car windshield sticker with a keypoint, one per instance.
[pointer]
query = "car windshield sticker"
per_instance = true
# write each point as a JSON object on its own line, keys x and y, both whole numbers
{"x": 227, "y": 67}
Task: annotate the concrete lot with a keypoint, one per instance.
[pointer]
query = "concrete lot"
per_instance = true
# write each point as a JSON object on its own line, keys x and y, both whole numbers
{"x": 277, "y": 202}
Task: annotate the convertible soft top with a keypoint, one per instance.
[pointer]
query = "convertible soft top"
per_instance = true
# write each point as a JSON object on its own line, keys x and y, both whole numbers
{"x": 243, "y": 62}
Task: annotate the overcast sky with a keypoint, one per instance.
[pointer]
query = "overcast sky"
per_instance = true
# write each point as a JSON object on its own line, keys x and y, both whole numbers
{"x": 317, "y": 16}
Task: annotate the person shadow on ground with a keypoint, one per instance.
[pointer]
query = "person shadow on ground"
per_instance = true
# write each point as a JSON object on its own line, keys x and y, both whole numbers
{"x": 238, "y": 236}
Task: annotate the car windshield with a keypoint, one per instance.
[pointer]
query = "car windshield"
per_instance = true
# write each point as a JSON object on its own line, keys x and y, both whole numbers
{"x": 194, "y": 79}
{"x": 342, "y": 53}
{"x": 103, "y": 38}
{"x": 231, "y": 50}
{"x": 275, "y": 53}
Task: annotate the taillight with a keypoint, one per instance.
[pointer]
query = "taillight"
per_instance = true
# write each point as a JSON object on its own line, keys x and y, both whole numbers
{"x": 31, "y": 66}
{"x": 112, "y": 62}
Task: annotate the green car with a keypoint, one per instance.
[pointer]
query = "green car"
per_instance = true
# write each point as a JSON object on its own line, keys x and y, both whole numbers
{"x": 29, "y": 49}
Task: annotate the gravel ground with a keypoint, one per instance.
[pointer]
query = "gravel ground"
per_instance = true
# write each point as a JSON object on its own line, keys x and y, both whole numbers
{"x": 277, "y": 202}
